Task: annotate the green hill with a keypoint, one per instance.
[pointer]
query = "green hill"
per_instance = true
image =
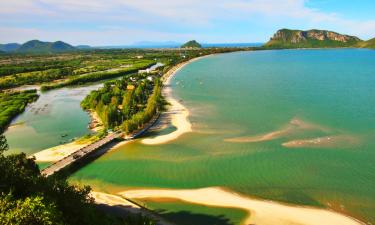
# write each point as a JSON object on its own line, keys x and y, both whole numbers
{"x": 9, "y": 47}
{"x": 286, "y": 38}
{"x": 191, "y": 44}
{"x": 36, "y": 46}
{"x": 367, "y": 44}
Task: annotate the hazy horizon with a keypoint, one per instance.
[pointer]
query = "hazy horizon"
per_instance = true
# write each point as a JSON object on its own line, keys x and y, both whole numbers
{"x": 124, "y": 22}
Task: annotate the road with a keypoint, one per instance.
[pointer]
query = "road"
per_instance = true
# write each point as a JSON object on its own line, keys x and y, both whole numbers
{"x": 81, "y": 153}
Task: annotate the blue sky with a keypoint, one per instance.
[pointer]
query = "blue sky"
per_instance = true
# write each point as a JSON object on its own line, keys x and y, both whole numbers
{"x": 121, "y": 22}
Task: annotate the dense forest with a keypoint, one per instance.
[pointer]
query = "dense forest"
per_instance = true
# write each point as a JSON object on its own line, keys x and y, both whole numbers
{"x": 27, "y": 197}
{"x": 129, "y": 102}
{"x": 14, "y": 103}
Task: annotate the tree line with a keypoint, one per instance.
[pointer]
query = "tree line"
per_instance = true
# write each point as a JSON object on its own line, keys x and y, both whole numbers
{"x": 13, "y": 104}
{"x": 28, "y": 198}
{"x": 97, "y": 76}
{"x": 126, "y": 103}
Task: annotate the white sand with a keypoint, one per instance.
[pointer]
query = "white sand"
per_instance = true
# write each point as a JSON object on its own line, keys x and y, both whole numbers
{"x": 113, "y": 200}
{"x": 58, "y": 152}
{"x": 96, "y": 123}
{"x": 324, "y": 142}
{"x": 294, "y": 126}
{"x": 261, "y": 212}
{"x": 177, "y": 113}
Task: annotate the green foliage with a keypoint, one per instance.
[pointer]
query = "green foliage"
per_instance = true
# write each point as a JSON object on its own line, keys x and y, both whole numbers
{"x": 139, "y": 119}
{"x": 12, "y": 104}
{"x": 3, "y": 144}
{"x": 191, "y": 44}
{"x": 27, "y": 197}
{"x": 31, "y": 210}
{"x": 286, "y": 38}
{"x": 115, "y": 103}
{"x": 92, "y": 65}
{"x": 97, "y": 76}
{"x": 36, "y": 46}
{"x": 367, "y": 44}
{"x": 24, "y": 67}
{"x": 33, "y": 77}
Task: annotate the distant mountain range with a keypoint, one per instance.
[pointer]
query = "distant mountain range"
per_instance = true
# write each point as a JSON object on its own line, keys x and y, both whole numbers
{"x": 36, "y": 46}
{"x": 284, "y": 38}
{"x": 9, "y": 47}
{"x": 172, "y": 44}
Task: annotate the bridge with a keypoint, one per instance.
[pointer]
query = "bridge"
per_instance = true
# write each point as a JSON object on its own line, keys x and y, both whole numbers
{"x": 80, "y": 154}
{"x": 94, "y": 148}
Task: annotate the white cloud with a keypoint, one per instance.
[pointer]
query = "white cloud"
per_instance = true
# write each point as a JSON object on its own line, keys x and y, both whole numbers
{"x": 169, "y": 19}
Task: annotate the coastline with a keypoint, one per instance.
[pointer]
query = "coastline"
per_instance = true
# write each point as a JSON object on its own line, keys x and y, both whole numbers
{"x": 58, "y": 152}
{"x": 96, "y": 123}
{"x": 176, "y": 114}
{"x": 263, "y": 212}
{"x": 260, "y": 211}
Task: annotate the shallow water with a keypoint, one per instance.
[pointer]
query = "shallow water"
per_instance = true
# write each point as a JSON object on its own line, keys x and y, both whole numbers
{"x": 295, "y": 126}
{"x": 55, "y": 118}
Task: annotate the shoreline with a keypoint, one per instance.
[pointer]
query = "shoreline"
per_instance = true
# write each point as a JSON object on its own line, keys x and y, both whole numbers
{"x": 58, "y": 152}
{"x": 95, "y": 123}
{"x": 176, "y": 114}
{"x": 260, "y": 211}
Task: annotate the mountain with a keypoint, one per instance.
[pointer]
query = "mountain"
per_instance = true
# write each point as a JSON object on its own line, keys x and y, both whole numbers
{"x": 9, "y": 47}
{"x": 367, "y": 44}
{"x": 83, "y": 47}
{"x": 36, "y": 46}
{"x": 152, "y": 44}
{"x": 286, "y": 38}
{"x": 191, "y": 44}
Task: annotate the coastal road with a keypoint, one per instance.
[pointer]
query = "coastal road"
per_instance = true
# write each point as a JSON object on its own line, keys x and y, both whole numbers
{"x": 81, "y": 153}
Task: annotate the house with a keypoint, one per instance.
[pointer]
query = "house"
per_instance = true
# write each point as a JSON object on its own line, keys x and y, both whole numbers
{"x": 144, "y": 71}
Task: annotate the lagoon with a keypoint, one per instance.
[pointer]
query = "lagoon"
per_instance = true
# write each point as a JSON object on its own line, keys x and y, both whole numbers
{"x": 55, "y": 118}
{"x": 294, "y": 126}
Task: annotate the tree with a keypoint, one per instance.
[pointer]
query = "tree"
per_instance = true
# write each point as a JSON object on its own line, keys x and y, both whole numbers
{"x": 3, "y": 144}
{"x": 31, "y": 210}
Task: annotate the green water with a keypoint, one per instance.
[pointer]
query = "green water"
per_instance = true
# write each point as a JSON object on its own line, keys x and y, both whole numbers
{"x": 296, "y": 94}
{"x": 183, "y": 213}
{"x": 55, "y": 118}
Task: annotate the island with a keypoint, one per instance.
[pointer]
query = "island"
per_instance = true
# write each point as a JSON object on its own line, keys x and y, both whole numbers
{"x": 191, "y": 44}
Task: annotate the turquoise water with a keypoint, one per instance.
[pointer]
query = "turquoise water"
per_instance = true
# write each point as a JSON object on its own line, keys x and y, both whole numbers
{"x": 55, "y": 118}
{"x": 294, "y": 126}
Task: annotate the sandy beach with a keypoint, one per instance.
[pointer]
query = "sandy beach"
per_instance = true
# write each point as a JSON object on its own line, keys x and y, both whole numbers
{"x": 57, "y": 153}
{"x": 113, "y": 200}
{"x": 261, "y": 212}
{"x": 95, "y": 123}
{"x": 176, "y": 114}
{"x": 126, "y": 206}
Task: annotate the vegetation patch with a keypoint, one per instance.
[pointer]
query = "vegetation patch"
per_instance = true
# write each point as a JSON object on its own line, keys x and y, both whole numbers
{"x": 14, "y": 103}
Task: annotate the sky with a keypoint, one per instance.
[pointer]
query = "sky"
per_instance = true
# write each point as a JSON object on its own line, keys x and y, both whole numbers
{"x": 123, "y": 22}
